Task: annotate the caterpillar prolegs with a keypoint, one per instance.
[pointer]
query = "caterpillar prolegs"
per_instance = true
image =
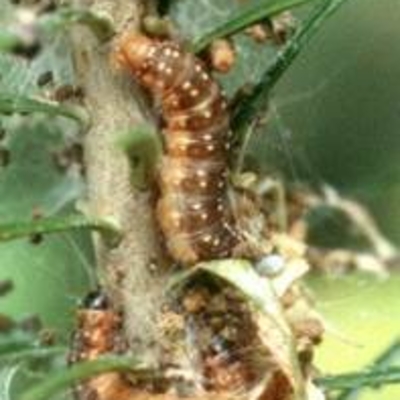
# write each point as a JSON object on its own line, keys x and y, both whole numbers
{"x": 193, "y": 211}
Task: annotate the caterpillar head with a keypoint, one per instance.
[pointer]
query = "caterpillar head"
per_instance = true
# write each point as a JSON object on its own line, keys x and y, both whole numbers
{"x": 153, "y": 63}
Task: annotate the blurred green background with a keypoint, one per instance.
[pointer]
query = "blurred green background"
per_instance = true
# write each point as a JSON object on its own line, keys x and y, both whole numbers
{"x": 335, "y": 118}
{"x": 339, "y": 123}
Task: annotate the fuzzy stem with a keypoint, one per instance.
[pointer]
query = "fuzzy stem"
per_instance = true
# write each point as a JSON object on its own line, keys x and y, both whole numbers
{"x": 112, "y": 102}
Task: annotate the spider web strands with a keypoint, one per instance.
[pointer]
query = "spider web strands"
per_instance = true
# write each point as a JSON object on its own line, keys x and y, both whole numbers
{"x": 16, "y": 230}
{"x": 244, "y": 17}
{"x": 253, "y": 105}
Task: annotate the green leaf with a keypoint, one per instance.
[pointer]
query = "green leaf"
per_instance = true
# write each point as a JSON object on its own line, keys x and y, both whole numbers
{"x": 20, "y": 345}
{"x": 63, "y": 379}
{"x": 372, "y": 378}
{"x": 15, "y": 343}
{"x": 12, "y": 103}
{"x": 243, "y": 18}
{"x": 24, "y": 351}
{"x": 50, "y": 277}
{"x": 253, "y": 105}
{"x": 15, "y": 230}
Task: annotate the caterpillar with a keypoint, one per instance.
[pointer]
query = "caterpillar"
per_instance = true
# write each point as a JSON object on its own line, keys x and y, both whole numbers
{"x": 98, "y": 333}
{"x": 193, "y": 211}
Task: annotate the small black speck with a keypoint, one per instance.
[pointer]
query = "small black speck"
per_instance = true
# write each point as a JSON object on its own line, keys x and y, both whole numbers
{"x": 32, "y": 323}
{"x": 27, "y": 51}
{"x": 68, "y": 92}
{"x": 45, "y": 78}
{"x": 3, "y": 132}
{"x": 5, "y": 156}
{"x": 36, "y": 238}
{"x": 6, "y": 286}
{"x": 96, "y": 300}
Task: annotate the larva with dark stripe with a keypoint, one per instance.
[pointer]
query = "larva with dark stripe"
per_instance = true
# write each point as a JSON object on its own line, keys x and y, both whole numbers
{"x": 97, "y": 333}
{"x": 193, "y": 210}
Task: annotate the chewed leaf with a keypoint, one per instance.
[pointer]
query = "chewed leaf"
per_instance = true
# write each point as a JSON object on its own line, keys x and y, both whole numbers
{"x": 241, "y": 274}
{"x": 274, "y": 330}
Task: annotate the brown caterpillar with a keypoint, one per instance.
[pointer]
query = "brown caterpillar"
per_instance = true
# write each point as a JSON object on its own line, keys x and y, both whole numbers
{"x": 193, "y": 211}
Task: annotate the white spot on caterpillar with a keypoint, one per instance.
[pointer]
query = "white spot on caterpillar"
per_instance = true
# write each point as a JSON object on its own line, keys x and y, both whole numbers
{"x": 203, "y": 184}
{"x": 177, "y": 181}
{"x": 167, "y": 52}
{"x": 186, "y": 85}
{"x": 194, "y": 92}
{"x": 204, "y": 216}
{"x": 210, "y": 147}
{"x": 216, "y": 242}
{"x": 152, "y": 50}
{"x": 201, "y": 173}
{"x": 176, "y": 220}
{"x": 196, "y": 206}
{"x": 207, "y": 114}
{"x": 161, "y": 66}
{"x": 207, "y": 238}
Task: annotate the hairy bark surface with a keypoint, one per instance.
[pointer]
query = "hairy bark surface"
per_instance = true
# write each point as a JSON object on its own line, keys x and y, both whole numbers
{"x": 111, "y": 101}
